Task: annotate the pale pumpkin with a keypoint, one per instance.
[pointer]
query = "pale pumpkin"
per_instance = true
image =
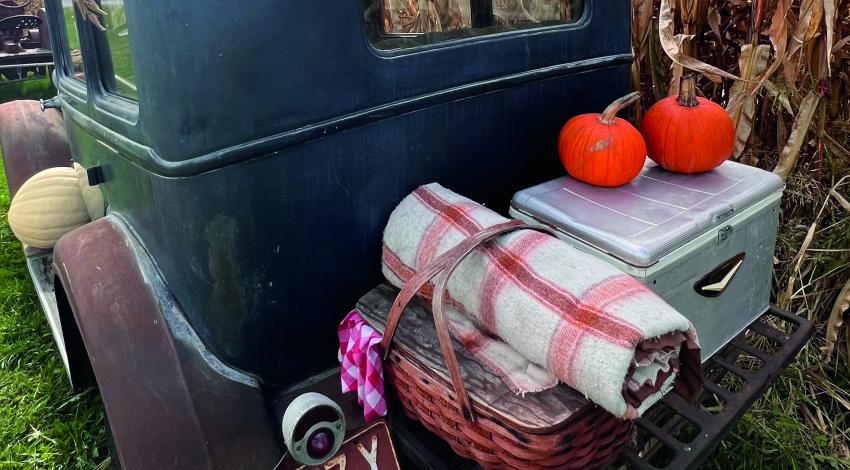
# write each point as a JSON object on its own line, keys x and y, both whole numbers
{"x": 47, "y": 206}
{"x": 91, "y": 194}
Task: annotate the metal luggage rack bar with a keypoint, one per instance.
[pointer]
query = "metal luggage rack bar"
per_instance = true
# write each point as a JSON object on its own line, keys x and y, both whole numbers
{"x": 676, "y": 434}
{"x": 34, "y": 64}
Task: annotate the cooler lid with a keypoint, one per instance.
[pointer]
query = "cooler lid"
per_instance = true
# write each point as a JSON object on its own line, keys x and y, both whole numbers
{"x": 656, "y": 213}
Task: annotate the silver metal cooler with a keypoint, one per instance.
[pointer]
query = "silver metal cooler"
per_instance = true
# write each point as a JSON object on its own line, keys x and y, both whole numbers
{"x": 702, "y": 242}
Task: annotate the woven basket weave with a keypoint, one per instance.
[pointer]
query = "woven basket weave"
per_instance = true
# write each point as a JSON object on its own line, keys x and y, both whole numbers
{"x": 591, "y": 441}
{"x": 588, "y": 437}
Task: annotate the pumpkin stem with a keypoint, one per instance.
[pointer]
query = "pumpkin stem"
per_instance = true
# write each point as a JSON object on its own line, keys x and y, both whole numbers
{"x": 688, "y": 91}
{"x": 607, "y": 116}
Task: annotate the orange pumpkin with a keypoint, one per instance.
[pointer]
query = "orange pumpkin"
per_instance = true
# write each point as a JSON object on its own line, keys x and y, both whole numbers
{"x": 602, "y": 149}
{"x": 687, "y": 134}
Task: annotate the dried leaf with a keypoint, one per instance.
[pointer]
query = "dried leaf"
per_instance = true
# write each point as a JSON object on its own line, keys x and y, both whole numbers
{"x": 89, "y": 11}
{"x": 778, "y": 33}
{"x": 843, "y": 42}
{"x": 818, "y": 62}
{"x": 783, "y": 99}
{"x": 789, "y": 155}
{"x": 675, "y": 80}
{"x": 797, "y": 261}
{"x": 836, "y": 147}
{"x": 847, "y": 342}
{"x": 714, "y": 22}
{"x": 814, "y": 25}
{"x": 841, "y": 200}
{"x": 810, "y": 13}
{"x": 641, "y": 21}
{"x": 672, "y": 44}
{"x": 829, "y": 19}
{"x": 785, "y": 300}
{"x": 656, "y": 67}
{"x": 809, "y": 16}
{"x": 836, "y": 320}
{"x": 781, "y": 130}
{"x": 641, "y": 26}
{"x": 742, "y": 101}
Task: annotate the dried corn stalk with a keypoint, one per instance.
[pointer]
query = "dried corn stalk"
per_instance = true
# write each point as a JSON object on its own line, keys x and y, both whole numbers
{"x": 808, "y": 48}
{"x": 425, "y": 16}
{"x": 836, "y": 320}
{"x": 742, "y": 102}
{"x": 673, "y": 45}
{"x": 789, "y": 155}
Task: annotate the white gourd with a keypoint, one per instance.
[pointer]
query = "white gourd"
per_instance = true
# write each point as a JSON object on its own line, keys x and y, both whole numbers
{"x": 91, "y": 194}
{"x": 47, "y": 206}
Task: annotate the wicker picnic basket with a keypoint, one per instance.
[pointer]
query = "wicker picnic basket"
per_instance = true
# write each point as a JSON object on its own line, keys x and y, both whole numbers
{"x": 486, "y": 422}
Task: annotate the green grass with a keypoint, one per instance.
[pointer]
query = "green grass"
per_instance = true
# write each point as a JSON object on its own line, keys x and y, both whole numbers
{"x": 71, "y": 27}
{"x": 778, "y": 433}
{"x": 119, "y": 46}
{"x": 31, "y": 89}
{"x": 43, "y": 424}
{"x": 803, "y": 421}
{"x": 119, "y": 49}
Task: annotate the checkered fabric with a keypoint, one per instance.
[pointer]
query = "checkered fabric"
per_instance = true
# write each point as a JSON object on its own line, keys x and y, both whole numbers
{"x": 361, "y": 368}
{"x": 591, "y": 326}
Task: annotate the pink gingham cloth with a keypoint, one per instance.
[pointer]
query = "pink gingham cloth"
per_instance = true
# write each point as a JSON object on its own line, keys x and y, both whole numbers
{"x": 529, "y": 294}
{"x": 361, "y": 367}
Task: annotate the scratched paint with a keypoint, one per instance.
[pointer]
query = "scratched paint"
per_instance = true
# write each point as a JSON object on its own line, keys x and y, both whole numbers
{"x": 229, "y": 302}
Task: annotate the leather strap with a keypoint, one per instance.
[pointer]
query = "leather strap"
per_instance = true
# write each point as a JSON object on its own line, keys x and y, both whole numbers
{"x": 443, "y": 331}
{"x": 447, "y": 263}
{"x": 415, "y": 283}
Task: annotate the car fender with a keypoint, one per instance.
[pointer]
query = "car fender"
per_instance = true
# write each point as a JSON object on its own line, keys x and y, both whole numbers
{"x": 170, "y": 402}
{"x": 31, "y": 140}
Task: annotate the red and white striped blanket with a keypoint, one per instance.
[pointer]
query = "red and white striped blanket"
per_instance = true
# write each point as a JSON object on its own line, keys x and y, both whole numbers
{"x": 536, "y": 300}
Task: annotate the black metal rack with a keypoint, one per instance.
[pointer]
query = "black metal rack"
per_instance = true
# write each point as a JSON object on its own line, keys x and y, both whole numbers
{"x": 673, "y": 434}
{"x": 677, "y": 434}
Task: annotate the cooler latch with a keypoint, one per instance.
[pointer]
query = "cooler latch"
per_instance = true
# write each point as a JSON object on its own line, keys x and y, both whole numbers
{"x": 724, "y": 233}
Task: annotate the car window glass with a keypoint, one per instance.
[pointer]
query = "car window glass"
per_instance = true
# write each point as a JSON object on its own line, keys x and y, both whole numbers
{"x": 120, "y": 78}
{"x": 75, "y": 63}
{"x": 394, "y": 24}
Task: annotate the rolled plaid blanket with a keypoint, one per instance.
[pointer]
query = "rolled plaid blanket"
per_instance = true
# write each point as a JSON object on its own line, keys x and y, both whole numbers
{"x": 593, "y": 327}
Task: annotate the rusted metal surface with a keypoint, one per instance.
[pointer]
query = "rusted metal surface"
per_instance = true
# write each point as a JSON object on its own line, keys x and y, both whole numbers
{"x": 31, "y": 141}
{"x": 43, "y": 30}
{"x": 12, "y": 7}
{"x": 25, "y": 41}
{"x": 171, "y": 404}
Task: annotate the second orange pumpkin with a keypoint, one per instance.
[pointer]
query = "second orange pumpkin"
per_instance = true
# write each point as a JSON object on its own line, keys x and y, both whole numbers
{"x": 687, "y": 134}
{"x": 602, "y": 149}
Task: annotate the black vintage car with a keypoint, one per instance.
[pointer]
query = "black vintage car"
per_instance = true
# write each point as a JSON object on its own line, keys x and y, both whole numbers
{"x": 250, "y": 154}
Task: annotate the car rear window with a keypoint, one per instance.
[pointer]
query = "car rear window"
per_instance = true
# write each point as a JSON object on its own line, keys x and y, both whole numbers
{"x": 75, "y": 56}
{"x": 397, "y": 24}
{"x": 120, "y": 78}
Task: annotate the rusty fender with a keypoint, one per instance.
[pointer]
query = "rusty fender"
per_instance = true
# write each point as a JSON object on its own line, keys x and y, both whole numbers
{"x": 170, "y": 402}
{"x": 31, "y": 140}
